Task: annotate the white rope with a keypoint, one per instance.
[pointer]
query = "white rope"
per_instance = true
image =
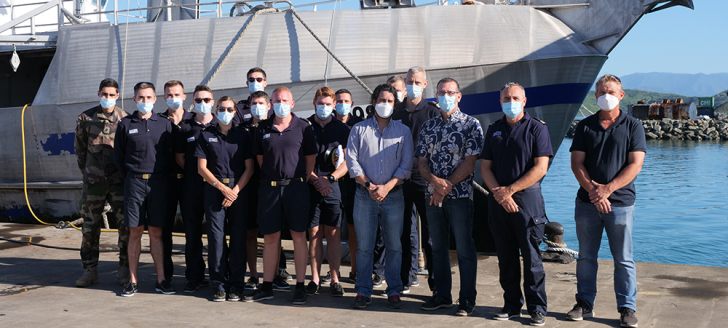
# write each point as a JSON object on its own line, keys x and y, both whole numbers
{"x": 480, "y": 188}
{"x": 563, "y": 250}
{"x": 123, "y": 65}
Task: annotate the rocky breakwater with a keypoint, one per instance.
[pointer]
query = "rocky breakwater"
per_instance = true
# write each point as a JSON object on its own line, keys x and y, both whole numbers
{"x": 672, "y": 129}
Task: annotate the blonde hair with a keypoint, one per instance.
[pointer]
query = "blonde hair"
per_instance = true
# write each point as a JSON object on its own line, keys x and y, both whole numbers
{"x": 609, "y": 78}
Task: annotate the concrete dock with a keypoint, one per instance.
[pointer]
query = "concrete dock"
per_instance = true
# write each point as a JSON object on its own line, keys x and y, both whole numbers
{"x": 37, "y": 289}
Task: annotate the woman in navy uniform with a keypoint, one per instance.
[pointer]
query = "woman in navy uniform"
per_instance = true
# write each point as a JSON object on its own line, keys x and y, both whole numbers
{"x": 225, "y": 161}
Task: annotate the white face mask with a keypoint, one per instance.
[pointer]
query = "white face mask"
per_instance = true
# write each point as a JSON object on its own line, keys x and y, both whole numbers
{"x": 174, "y": 103}
{"x": 255, "y": 86}
{"x": 384, "y": 110}
{"x": 203, "y": 108}
{"x": 400, "y": 96}
{"x": 414, "y": 91}
{"x": 608, "y": 102}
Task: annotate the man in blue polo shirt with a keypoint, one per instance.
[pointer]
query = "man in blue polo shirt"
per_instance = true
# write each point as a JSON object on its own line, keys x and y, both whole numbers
{"x": 606, "y": 155}
{"x": 286, "y": 152}
{"x": 143, "y": 145}
{"x": 515, "y": 158}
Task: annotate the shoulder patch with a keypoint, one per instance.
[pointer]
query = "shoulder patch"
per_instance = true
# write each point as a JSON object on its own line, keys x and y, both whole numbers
{"x": 540, "y": 120}
{"x": 495, "y": 122}
{"x": 434, "y": 104}
{"x": 306, "y": 120}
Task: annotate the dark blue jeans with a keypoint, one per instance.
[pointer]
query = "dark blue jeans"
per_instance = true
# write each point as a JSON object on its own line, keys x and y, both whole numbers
{"x": 455, "y": 215}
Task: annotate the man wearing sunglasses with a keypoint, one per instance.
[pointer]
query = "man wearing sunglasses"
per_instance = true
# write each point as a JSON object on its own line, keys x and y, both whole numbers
{"x": 143, "y": 144}
{"x": 193, "y": 188}
{"x": 256, "y": 81}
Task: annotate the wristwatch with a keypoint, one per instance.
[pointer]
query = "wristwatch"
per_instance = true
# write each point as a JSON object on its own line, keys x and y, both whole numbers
{"x": 367, "y": 184}
{"x": 332, "y": 178}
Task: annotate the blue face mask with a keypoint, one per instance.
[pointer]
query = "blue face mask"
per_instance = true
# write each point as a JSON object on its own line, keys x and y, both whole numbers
{"x": 414, "y": 91}
{"x": 259, "y": 111}
{"x": 174, "y": 103}
{"x": 343, "y": 109}
{"x": 225, "y": 117}
{"x": 446, "y": 103}
{"x": 282, "y": 110}
{"x": 323, "y": 112}
{"x": 145, "y": 108}
{"x": 255, "y": 86}
{"x": 512, "y": 109}
{"x": 203, "y": 108}
{"x": 107, "y": 102}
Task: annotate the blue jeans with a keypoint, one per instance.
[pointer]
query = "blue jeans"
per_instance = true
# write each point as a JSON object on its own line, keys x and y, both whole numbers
{"x": 368, "y": 215}
{"x": 455, "y": 214}
{"x": 589, "y": 226}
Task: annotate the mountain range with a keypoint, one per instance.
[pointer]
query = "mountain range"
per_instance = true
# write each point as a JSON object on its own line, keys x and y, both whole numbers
{"x": 692, "y": 85}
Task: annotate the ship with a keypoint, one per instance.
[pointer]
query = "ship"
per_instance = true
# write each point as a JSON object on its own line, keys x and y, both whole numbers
{"x": 554, "y": 48}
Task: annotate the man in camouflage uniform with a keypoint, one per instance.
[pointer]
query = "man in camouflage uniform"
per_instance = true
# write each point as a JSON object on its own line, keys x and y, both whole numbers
{"x": 102, "y": 181}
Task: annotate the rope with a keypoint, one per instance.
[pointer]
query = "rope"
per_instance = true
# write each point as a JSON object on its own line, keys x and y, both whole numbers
{"x": 553, "y": 244}
{"x": 563, "y": 250}
{"x": 220, "y": 62}
{"x": 480, "y": 188}
{"x": 363, "y": 85}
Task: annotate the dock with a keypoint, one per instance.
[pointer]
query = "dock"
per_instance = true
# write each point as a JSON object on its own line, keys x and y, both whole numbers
{"x": 37, "y": 289}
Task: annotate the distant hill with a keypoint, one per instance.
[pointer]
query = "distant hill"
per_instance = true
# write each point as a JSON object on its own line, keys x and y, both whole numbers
{"x": 633, "y": 96}
{"x": 694, "y": 85}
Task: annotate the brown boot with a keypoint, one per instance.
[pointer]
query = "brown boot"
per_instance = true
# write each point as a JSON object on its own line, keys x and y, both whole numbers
{"x": 90, "y": 277}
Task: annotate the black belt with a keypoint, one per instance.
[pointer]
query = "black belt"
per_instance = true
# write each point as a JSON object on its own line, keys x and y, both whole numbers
{"x": 283, "y": 183}
{"x": 176, "y": 175}
{"x": 397, "y": 187}
{"x": 148, "y": 176}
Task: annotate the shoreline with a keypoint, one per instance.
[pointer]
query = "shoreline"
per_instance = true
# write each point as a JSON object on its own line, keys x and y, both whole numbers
{"x": 711, "y": 129}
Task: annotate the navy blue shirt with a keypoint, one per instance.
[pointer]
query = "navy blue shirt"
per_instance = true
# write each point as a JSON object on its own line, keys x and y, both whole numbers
{"x": 171, "y": 162}
{"x": 607, "y": 152}
{"x": 424, "y": 111}
{"x": 225, "y": 154}
{"x": 353, "y": 119}
{"x": 243, "y": 115}
{"x": 142, "y": 146}
{"x": 330, "y": 136}
{"x": 284, "y": 152}
{"x": 186, "y": 141}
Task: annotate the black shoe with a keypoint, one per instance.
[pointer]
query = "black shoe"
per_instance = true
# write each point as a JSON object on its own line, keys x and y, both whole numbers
{"x": 414, "y": 281}
{"x": 312, "y": 288}
{"x": 204, "y": 282}
{"x": 465, "y": 308}
{"x": 405, "y": 289}
{"x": 299, "y": 296}
{"x": 233, "y": 295}
{"x": 505, "y": 314}
{"x": 377, "y": 280}
{"x": 436, "y": 302}
{"x": 627, "y": 317}
{"x": 352, "y": 277}
{"x": 325, "y": 280}
{"x": 260, "y": 295}
{"x": 129, "y": 289}
{"x": 164, "y": 288}
{"x": 219, "y": 296}
{"x": 336, "y": 289}
{"x": 283, "y": 273}
{"x": 361, "y": 302}
{"x": 580, "y": 312}
{"x": 537, "y": 319}
{"x": 394, "y": 302}
{"x": 279, "y": 282}
{"x": 252, "y": 283}
{"x": 191, "y": 286}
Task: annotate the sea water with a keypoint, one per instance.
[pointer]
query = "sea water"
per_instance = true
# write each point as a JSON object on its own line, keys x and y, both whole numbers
{"x": 681, "y": 212}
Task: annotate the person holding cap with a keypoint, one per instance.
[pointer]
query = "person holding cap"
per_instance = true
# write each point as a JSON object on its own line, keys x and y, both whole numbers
{"x": 379, "y": 156}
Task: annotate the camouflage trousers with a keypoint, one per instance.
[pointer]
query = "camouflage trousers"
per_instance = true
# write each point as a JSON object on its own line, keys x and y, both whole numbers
{"x": 92, "y": 207}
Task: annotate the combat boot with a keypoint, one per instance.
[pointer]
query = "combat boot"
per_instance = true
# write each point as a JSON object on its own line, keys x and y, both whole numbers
{"x": 90, "y": 277}
{"x": 123, "y": 275}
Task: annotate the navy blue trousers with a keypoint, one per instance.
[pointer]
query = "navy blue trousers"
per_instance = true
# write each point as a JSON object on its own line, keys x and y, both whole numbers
{"x": 227, "y": 265}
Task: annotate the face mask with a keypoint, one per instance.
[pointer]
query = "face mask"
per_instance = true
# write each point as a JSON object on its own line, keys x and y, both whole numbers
{"x": 343, "y": 109}
{"x": 255, "y": 86}
{"x": 384, "y": 110}
{"x": 512, "y": 109}
{"x": 145, "y": 108}
{"x": 225, "y": 117}
{"x": 203, "y": 108}
{"x": 323, "y": 112}
{"x": 608, "y": 102}
{"x": 414, "y": 91}
{"x": 174, "y": 103}
{"x": 107, "y": 102}
{"x": 282, "y": 110}
{"x": 447, "y": 103}
{"x": 259, "y": 111}
{"x": 400, "y": 96}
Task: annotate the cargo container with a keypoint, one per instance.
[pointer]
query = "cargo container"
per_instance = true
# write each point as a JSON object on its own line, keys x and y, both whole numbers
{"x": 706, "y": 102}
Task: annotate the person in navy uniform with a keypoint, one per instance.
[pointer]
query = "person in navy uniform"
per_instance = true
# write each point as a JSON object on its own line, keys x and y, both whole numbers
{"x": 448, "y": 148}
{"x": 413, "y": 112}
{"x": 225, "y": 160}
{"x": 515, "y": 158}
{"x": 193, "y": 188}
{"x": 256, "y": 80}
{"x": 174, "y": 96}
{"x": 326, "y": 211}
{"x": 143, "y": 144}
{"x": 286, "y": 152}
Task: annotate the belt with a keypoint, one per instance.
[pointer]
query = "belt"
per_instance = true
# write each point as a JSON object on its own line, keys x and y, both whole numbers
{"x": 176, "y": 175}
{"x": 284, "y": 182}
{"x": 397, "y": 187}
{"x": 147, "y": 176}
{"x": 223, "y": 180}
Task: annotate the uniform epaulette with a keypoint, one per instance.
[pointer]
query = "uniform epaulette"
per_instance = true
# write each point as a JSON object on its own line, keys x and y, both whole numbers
{"x": 306, "y": 120}
{"x": 496, "y": 121}
{"x": 540, "y": 120}
{"x": 434, "y": 104}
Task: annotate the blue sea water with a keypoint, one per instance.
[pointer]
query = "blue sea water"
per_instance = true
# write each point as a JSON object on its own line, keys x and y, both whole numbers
{"x": 681, "y": 212}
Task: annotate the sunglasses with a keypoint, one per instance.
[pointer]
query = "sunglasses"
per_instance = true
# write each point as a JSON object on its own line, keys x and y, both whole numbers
{"x": 206, "y": 100}
{"x": 253, "y": 79}
{"x": 228, "y": 109}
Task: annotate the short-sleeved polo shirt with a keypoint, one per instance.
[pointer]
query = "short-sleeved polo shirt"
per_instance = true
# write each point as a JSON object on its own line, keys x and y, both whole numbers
{"x": 186, "y": 141}
{"x": 329, "y": 136}
{"x": 607, "y": 152}
{"x": 171, "y": 162}
{"x": 143, "y": 146}
{"x": 424, "y": 111}
{"x": 225, "y": 154}
{"x": 284, "y": 152}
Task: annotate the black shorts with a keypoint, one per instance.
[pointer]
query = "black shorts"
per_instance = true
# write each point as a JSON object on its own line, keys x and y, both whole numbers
{"x": 325, "y": 210}
{"x": 277, "y": 205}
{"x": 145, "y": 201}
{"x": 252, "y": 191}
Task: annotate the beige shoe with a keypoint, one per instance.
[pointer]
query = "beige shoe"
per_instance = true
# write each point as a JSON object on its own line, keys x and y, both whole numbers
{"x": 123, "y": 275}
{"x": 90, "y": 277}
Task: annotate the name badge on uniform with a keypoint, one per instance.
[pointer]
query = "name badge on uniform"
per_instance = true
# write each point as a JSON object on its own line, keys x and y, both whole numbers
{"x": 190, "y": 139}
{"x": 212, "y": 140}
{"x": 247, "y": 116}
{"x": 132, "y": 131}
{"x": 266, "y": 136}
{"x": 497, "y": 133}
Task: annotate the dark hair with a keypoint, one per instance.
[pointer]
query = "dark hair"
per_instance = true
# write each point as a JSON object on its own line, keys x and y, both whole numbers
{"x": 109, "y": 82}
{"x": 260, "y": 94}
{"x": 256, "y": 69}
{"x": 172, "y": 83}
{"x": 224, "y": 98}
{"x": 341, "y": 91}
{"x": 394, "y": 79}
{"x": 448, "y": 80}
{"x": 144, "y": 85}
{"x": 202, "y": 87}
{"x": 385, "y": 87}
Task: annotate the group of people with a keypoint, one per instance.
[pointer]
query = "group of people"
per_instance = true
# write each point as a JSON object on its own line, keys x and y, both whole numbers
{"x": 254, "y": 166}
